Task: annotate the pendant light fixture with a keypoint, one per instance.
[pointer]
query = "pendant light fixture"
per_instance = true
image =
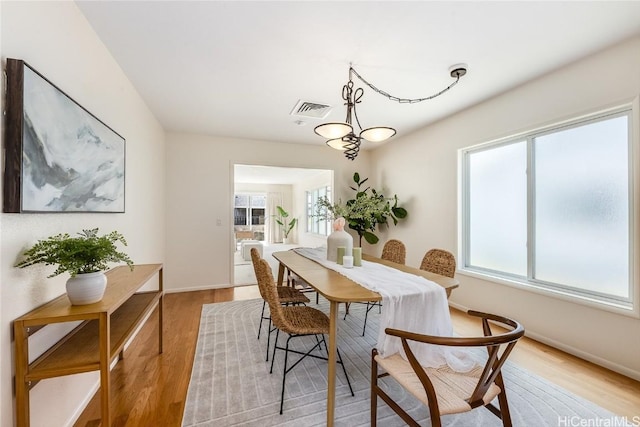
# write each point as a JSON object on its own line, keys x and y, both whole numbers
{"x": 343, "y": 136}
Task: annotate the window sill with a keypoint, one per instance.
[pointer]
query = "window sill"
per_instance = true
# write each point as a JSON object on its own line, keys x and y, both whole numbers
{"x": 631, "y": 310}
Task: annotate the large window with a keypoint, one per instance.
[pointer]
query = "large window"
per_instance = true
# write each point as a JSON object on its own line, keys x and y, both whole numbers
{"x": 249, "y": 209}
{"x": 552, "y": 209}
{"x": 314, "y": 223}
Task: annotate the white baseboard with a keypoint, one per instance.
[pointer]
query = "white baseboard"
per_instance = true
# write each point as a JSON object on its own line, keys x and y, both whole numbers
{"x": 572, "y": 350}
{"x": 92, "y": 392}
{"x": 83, "y": 405}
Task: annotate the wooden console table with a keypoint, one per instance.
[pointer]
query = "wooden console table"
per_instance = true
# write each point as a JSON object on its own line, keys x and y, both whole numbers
{"x": 93, "y": 344}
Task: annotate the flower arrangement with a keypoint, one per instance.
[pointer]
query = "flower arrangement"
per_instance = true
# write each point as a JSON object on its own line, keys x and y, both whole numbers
{"x": 368, "y": 210}
{"x": 87, "y": 253}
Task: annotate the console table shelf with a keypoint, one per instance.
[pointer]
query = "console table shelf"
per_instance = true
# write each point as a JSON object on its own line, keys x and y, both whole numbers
{"x": 93, "y": 345}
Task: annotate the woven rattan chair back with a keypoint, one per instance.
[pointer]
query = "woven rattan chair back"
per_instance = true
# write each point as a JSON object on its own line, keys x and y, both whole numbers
{"x": 255, "y": 260}
{"x": 395, "y": 251}
{"x": 268, "y": 288}
{"x": 440, "y": 262}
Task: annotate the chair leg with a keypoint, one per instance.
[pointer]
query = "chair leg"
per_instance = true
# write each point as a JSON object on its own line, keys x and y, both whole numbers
{"x": 273, "y": 356}
{"x": 326, "y": 348}
{"x": 374, "y": 385}
{"x": 366, "y": 315}
{"x": 268, "y": 339}
{"x": 505, "y": 415}
{"x": 264, "y": 303}
{"x": 345, "y": 372}
{"x": 284, "y": 374}
{"x": 376, "y": 392}
{"x": 286, "y": 369}
{"x": 370, "y": 305}
{"x": 319, "y": 342}
{"x": 346, "y": 310}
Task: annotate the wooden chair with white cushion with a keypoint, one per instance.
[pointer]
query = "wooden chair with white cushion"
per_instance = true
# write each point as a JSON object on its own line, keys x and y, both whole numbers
{"x": 443, "y": 390}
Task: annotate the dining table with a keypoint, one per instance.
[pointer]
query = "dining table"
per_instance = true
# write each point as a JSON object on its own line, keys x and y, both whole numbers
{"x": 337, "y": 289}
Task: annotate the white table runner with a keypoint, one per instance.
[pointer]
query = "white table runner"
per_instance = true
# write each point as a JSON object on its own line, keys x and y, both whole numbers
{"x": 410, "y": 303}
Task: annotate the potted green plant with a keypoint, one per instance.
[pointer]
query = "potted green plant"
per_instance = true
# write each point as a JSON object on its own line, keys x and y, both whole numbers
{"x": 85, "y": 258}
{"x": 284, "y": 223}
{"x": 369, "y": 210}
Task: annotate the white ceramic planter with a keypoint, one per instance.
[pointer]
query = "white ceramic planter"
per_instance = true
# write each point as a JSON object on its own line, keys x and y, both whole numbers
{"x": 86, "y": 288}
{"x": 336, "y": 239}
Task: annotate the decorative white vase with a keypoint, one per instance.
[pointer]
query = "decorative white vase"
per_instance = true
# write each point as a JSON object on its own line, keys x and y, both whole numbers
{"x": 285, "y": 240}
{"x": 86, "y": 288}
{"x": 336, "y": 239}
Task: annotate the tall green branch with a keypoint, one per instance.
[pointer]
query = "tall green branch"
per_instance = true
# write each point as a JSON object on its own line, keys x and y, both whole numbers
{"x": 365, "y": 213}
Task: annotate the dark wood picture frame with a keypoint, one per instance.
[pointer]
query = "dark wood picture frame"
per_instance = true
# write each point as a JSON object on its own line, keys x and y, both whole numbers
{"x": 58, "y": 156}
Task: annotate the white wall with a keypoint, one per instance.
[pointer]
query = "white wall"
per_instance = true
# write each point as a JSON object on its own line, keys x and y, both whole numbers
{"x": 200, "y": 191}
{"x": 424, "y": 165}
{"x": 55, "y": 39}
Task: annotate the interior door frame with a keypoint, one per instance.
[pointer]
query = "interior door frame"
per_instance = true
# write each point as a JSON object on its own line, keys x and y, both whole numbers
{"x": 232, "y": 184}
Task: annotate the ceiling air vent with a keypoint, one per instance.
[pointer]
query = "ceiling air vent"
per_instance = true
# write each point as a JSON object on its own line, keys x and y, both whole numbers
{"x": 311, "y": 109}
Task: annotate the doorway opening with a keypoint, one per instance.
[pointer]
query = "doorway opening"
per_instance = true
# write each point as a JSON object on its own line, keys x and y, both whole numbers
{"x": 258, "y": 190}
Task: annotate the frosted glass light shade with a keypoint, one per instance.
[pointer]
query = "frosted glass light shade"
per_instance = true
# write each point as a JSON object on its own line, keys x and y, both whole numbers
{"x": 377, "y": 134}
{"x": 337, "y": 143}
{"x": 333, "y": 130}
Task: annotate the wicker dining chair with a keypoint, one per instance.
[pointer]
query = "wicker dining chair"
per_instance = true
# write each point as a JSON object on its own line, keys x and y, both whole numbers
{"x": 295, "y": 321}
{"x": 286, "y": 295}
{"x": 440, "y": 262}
{"x": 443, "y": 390}
{"x": 395, "y": 251}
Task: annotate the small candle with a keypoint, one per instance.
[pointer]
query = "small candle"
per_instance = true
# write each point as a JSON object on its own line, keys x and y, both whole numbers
{"x": 341, "y": 253}
{"x": 357, "y": 257}
{"x": 347, "y": 261}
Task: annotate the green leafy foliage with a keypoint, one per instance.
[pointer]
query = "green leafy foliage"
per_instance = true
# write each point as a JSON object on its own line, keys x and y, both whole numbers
{"x": 87, "y": 253}
{"x": 282, "y": 220}
{"x": 367, "y": 211}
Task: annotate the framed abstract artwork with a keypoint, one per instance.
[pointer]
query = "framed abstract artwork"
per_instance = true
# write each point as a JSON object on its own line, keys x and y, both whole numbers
{"x": 58, "y": 156}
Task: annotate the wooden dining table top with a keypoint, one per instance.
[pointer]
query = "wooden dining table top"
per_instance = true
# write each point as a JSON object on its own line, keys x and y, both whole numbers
{"x": 336, "y": 287}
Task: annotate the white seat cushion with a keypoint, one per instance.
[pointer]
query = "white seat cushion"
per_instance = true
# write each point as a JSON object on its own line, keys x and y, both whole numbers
{"x": 452, "y": 388}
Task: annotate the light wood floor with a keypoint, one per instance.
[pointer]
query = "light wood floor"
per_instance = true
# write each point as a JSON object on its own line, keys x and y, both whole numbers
{"x": 150, "y": 389}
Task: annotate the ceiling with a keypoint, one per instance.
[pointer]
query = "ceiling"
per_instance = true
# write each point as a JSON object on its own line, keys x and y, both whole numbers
{"x": 238, "y": 68}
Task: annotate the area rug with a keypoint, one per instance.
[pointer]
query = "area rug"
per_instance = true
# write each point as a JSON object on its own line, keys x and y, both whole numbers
{"x": 231, "y": 385}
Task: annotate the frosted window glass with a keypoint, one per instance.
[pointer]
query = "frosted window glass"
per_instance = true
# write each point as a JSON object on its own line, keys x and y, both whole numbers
{"x": 581, "y": 207}
{"x": 241, "y": 200}
{"x": 315, "y": 224}
{"x": 498, "y": 209}
{"x": 259, "y": 201}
